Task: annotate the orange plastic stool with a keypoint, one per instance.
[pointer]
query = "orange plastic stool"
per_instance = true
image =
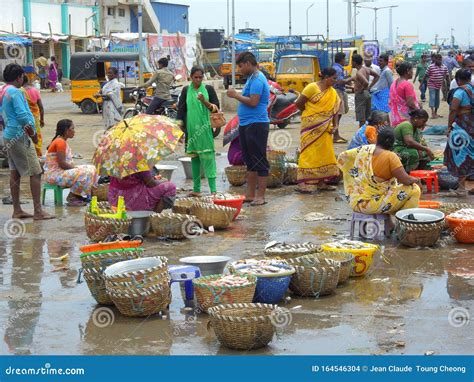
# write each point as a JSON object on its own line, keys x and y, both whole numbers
{"x": 429, "y": 177}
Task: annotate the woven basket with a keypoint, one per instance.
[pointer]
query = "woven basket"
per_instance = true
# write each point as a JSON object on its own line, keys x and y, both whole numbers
{"x": 291, "y": 173}
{"x": 183, "y": 205}
{"x": 291, "y": 251}
{"x": 449, "y": 208}
{"x": 93, "y": 266}
{"x": 174, "y": 226}
{"x": 139, "y": 287}
{"x": 236, "y": 175}
{"x": 143, "y": 303}
{"x": 419, "y": 234}
{"x": 211, "y": 215}
{"x": 345, "y": 261}
{"x": 247, "y": 326}
{"x": 276, "y": 175}
{"x": 209, "y": 296}
{"x": 98, "y": 228}
{"x": 101, "y": 191}
{"x": 315, "y": 276}
{"x": 276, "y": 155}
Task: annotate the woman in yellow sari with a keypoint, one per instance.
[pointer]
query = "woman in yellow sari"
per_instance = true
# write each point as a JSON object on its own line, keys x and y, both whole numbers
{"x": 319, "y": 103}
{"x": 375, "y": 181}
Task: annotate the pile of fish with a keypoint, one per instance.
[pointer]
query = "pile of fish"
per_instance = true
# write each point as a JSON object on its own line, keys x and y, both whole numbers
{"x": 278, "y": 247}
{"x": 224, "y": 196}
{"x": 230, "y": 281}
{"x": 348, "y": 244}
{"x": 261, "y": 267}
{"x": 464, "y": 214}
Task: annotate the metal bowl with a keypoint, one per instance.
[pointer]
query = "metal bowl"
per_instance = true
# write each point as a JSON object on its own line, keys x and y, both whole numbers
{"x": 422, "y": 215}
{"x": 188, "y": 171}
{"x": 166, "y": 171}
{"x": 208, "y": 265}
{"x": 140, "y": 225}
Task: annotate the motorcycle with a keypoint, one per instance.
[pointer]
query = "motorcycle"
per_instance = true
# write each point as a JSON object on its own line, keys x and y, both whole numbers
{"x": 142, "y": 101}
{"x": 281, "y": 109}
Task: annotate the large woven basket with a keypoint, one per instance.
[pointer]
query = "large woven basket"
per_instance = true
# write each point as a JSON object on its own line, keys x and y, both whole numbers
{"x": 101, "y": 191}
{"x": 345, "y": 261}
{"x": 211, "y": 215}
{"x": 94, "y": 264}
{"x": 174, "y": 226}
{"x": 143, "y": 303}
{"x": 449, "y": 208}
{"x": 315, "y": 276}
{"x": 291, "y": 251}
{"x": 247, "y": 326}
{"x": 183, "y": 205}
{"x": 276, "y": 155}
{"x": 98, "y": 228}
{"x": 419, "y": 234}
{"x": 139, "y": 287}
{"x": 276, "y": 175}
{"x": 236, "y": 175}
{"x": 208, "y": 295}
{"x": 291, "y": 173}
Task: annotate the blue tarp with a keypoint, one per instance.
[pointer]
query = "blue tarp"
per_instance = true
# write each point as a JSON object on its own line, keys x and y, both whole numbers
{"x": 15, "y": 40}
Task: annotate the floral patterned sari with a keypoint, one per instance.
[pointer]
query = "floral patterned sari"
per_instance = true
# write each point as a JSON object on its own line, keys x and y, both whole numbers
{"x": 365, "y": 194}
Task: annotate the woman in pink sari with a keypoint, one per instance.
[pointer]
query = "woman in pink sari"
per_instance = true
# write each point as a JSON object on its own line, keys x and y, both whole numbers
{"x": 53, "y": 74}
{"x": 402, "y": 95}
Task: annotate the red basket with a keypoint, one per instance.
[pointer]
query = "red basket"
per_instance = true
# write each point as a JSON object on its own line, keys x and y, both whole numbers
{"x": 463, "y": 230}
{"x": 236, "y": 203}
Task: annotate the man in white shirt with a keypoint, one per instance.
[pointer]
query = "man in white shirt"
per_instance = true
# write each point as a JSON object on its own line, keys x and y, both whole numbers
{"x": 369, "y": 63}
{"x": 468, "y": 63}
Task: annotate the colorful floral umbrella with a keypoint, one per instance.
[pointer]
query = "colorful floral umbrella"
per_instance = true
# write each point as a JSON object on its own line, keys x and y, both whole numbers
{"x": 135, "y": 145}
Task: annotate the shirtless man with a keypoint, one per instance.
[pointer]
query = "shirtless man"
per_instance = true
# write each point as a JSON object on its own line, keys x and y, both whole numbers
{"x": 362, "y": 87}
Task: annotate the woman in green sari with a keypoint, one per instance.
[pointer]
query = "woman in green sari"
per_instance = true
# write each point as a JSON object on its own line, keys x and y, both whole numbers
{"x": 409, "y": 143}
{"x": 196, "y": 103}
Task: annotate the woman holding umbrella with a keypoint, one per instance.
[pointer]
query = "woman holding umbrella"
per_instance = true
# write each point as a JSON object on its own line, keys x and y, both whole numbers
{"x": 128, "y": 152}
{"x": 196, "y": 103}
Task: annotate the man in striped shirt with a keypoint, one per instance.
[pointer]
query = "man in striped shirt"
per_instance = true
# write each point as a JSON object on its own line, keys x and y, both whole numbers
{"x": 436, "y": 74}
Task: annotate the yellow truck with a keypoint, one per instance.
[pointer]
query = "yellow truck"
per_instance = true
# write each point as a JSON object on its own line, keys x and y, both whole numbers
{"x": 266, "y": 63}
{"x": 296, "y": 71}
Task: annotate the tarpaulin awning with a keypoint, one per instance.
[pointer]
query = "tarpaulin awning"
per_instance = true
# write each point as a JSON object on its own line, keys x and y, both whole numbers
{"x": 15, "y": 40}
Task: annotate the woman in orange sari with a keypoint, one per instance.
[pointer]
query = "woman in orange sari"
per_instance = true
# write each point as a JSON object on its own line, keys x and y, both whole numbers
{"x": 319, "y": 103}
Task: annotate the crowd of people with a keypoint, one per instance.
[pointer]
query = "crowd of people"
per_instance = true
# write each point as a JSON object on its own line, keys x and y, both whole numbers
{"x": 387, "y": 146}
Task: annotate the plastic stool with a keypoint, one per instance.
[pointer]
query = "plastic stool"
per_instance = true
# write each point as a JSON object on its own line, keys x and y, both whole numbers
{"x": 184, "y": 274}
{"x": 429, "y": 177}
{"x": 58, "y": 193}
{"x": 379, "y": 221}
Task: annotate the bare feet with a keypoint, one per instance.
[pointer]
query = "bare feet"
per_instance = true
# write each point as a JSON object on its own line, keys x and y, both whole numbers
{"x": 21, "y": 215}
{"x": 43, "y": 216}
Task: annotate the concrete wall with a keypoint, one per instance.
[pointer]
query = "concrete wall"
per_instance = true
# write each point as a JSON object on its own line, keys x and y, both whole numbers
{"x": 116, "y": 23}
{"x": 42, "y": 14}
{"x": 78, "y": 21}
{"x": 11, "y": 14}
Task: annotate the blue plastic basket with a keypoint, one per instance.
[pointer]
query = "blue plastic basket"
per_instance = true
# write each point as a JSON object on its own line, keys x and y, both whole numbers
{"x": 270, "y": 290}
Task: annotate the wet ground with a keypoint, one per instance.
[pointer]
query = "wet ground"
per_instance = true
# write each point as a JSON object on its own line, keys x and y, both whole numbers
{"x": 412, "y": 302}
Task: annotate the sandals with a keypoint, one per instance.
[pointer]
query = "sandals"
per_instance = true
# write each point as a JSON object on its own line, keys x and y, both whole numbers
{"x": 258, "y": 203}
{"x": 340, "y": 140}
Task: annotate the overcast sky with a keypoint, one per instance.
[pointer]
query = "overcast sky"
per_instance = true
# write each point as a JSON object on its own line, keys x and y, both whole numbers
{"x": 412, "y": 17}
